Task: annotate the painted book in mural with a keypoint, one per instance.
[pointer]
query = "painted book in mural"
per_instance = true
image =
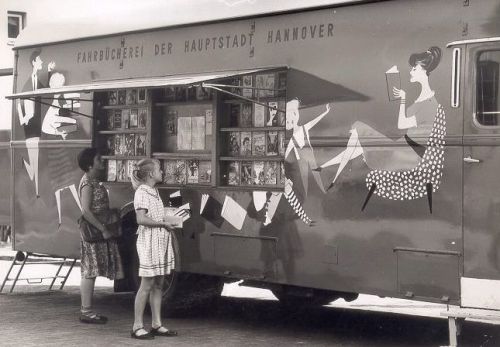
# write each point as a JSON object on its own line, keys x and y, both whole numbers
{"x": 258, "y": 143}
{"x": 210, "y": 209}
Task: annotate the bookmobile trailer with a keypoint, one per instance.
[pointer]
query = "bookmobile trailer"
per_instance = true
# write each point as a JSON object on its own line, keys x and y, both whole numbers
{"x": 324, "y": 152}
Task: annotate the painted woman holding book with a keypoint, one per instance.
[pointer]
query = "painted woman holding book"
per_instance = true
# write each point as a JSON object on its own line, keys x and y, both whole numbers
{"x": 406, "y": 152}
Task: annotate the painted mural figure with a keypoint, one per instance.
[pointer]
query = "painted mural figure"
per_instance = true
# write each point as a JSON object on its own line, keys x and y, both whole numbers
{"x": 418, "y": 121}
{"x": 300, "y": 146}
{"x": 29, "y": 113}
{"x": 300, "y": 143}
{"x": 53, "y": 123}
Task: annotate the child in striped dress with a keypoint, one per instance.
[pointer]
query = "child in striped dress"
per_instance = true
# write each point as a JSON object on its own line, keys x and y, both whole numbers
{"x": 154, "y": 248}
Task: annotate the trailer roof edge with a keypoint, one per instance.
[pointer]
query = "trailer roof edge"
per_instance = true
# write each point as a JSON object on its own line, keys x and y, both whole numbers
{"x": 20, "y": 44}
{"x": 469, "y": 41}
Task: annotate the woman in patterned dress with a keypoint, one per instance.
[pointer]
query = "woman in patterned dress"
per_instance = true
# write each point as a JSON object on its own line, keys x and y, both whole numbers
{"x": 100, "y": 258}
{"x": 406, "y": 152}
{"x": 154, "y": 247}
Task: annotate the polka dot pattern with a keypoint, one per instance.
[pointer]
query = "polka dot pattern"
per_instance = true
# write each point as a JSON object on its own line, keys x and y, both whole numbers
{"x": 411, "y": 184}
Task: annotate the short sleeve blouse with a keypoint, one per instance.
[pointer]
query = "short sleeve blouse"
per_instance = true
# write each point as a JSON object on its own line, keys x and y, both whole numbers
{"x": 149, "y": 199}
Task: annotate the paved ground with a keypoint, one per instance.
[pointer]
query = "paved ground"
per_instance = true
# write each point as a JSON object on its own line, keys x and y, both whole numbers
{"x": 33, "y": 316}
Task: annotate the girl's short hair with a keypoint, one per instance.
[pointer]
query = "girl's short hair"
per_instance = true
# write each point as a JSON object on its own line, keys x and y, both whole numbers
{"x": 429, "y": 59}
{"x": 141, "y": 171}
{"x": 86, "y": 158}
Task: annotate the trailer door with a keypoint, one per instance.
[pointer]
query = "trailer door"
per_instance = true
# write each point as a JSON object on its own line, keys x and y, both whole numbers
{"x": 480, "y": 284}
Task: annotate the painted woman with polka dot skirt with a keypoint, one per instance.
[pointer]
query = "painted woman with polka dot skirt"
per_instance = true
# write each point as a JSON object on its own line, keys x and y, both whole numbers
{"x": 424, "y": 117}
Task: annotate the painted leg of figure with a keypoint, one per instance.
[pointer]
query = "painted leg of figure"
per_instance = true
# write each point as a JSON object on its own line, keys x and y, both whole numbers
{"x": 58, "y": 202}
{"x": 353, "y": 150}
{"x": 72, "y": 188}
{"x": 32, "y": 166}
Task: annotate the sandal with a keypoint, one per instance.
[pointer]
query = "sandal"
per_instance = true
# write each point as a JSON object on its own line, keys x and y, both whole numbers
{"x": 146, "y": 336}
{"x": 168, "y": 333}
{"x": 92, "y": 318}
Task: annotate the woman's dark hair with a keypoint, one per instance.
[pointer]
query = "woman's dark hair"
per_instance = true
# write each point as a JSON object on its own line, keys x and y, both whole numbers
{"x": 429, "y": 60}
{"x": 86, "y": 158}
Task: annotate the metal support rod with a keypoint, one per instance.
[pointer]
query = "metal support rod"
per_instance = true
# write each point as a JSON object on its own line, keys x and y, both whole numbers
{"x": 213, "y": 86}
{"x": 8, "y": 273}
{"x": 67, "y": 275}
{"x": 59, "y": 107}
{"x": 57, "y": 273}
{"x": 19, "y": 273}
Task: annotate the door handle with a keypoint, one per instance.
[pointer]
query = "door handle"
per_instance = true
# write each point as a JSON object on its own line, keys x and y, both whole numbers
{"x": 470, "y": 160}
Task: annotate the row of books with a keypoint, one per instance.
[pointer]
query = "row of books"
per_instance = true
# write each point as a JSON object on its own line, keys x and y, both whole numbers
{"x": 120, "y": 170}
{"x": 126, "y": 144}
{"x": 132, "y": 96}
{"x": 126, "y": 119}
{"x": 191, "y": 93}
{"x": 257, "y": 115}
{"x": 266, "y": 85}
{"x": 255, "y": 173}
{"x": 256, "y": 143}
{"x": 191, "y": 171}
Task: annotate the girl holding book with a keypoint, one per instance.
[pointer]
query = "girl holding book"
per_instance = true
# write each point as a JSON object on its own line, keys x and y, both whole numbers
{"x": 154, "y": 247}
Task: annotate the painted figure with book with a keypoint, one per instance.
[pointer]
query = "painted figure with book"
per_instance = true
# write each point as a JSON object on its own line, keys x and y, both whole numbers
{"x": 407, "y": 152}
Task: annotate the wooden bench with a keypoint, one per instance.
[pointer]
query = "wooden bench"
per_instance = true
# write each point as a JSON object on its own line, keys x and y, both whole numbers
{"x": 457, "y": 316}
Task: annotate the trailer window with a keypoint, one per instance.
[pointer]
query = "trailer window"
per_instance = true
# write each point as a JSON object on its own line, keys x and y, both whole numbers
{"x": 487, "y": 91}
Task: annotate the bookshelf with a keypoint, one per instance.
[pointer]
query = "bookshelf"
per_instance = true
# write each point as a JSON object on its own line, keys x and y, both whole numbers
{"x": 201, "y": 137}
{"x": 122, "y": 130}
{"x": 252, "y": 135}
{"x": 183, "y": 135}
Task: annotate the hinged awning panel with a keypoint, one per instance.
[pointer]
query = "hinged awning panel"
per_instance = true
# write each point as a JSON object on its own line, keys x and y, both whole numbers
{"x": 152, "y": 82}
